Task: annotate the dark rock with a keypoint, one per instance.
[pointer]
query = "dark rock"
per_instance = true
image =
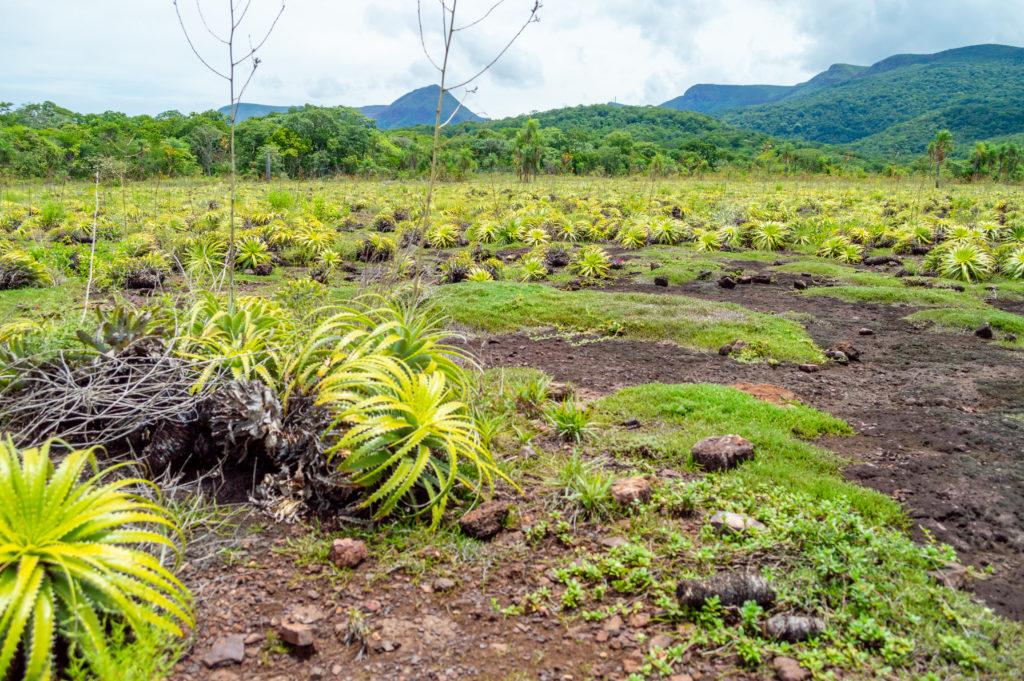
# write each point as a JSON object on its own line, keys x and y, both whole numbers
{"x": 838, "y": 356}
{"x": 704, "y": 275}
{"x": 654, "y": 266}
{"x": 992, "y": 287}
{"x": 762, "y": 279}
{"x": 263, "y": 269}
{"x": 808, "y": 275}
{"x": 799, "y": 285}
{"x": 920, "y": 249}
{"x": 744, "y": 279}
{"x": 661, "y": 281}
{"x": 732, "y": 589}
{"x": 788, "y": 669}
{"x": 882, "y": 260}
{"x": 722, "y": 453}
{"x": 484, "y": 521}
{"x": 852, "y": 353}
{"x": 984, "y": 331}
{"x": 347, "y": 552}
{"x": 865, "y": 332}
{"x": 793, "y": 628}
{"x": 809, "y": 368}
{"x": 725, "y": 350}
{"x": 631, "y": 424}
{"x": 226, "y": 650}
{"x": 631, "y": 490}
{"x": 1010, "y": 338}
{"x": 902, "y": 272}
{"x": 727, "y": 282}
{"x": 958, "y": 288}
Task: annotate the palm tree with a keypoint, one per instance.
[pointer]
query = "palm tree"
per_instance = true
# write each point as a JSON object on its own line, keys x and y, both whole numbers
{"x": 980, "y": 158}
{"x": 528, "y": 148}
{"x": 938, "y": 148}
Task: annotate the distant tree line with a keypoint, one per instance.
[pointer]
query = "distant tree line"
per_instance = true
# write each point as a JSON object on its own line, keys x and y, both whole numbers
{"x": 47, "y": 141}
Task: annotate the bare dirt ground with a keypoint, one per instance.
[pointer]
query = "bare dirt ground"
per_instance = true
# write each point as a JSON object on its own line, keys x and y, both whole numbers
{"x": 938, "y": 415}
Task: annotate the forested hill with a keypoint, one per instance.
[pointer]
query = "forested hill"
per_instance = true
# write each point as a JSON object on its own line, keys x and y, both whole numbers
{"x": 894, "y": 106}
{"x": 413, "y": 108}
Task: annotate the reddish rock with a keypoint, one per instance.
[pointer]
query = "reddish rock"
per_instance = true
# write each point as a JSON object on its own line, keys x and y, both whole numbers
{"x": 484, "y": 521}
{"x": 347, "y": 552}
{"x": 226, "y": 650}
{"x": 809, "y": 368}
{"x": 788, "y": 669}
{"x": 298, "y": 635}
{"x": 630, "y": 490}
{"x": 722, "y": 453}
{"x": 766, "y": 392}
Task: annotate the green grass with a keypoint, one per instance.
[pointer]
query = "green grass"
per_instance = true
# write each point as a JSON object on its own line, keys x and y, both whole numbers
{"x": 899, "y": 295}
{"x": 968, "y": 320}
{"x": 505, "y": 307}
{"x": 675, "y": 417}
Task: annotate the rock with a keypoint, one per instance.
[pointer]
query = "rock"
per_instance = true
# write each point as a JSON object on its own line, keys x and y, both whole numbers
{"x": 732, "y": 589}
{"x": 837, "y": 356}
{"x": 224, "y": 675}
{"x": 527, "y": 452}
{"x": 631, "y": 490}
{"x": 704, "y": 275}
{"x": 865, "y": 332}
{"x": 799, "y": 285}
{"x": 613, "y": 625}
{"x": 661, "y": 281}
{"x": 612, "y": 542}
{"x": 852, "y": 353}
{"x": 959, "y": 288}
{"x": 984, "y": 331}
{"x": 766, "y": 392}
{"x": 809, "y": 368}
{"x": 226, "y": 650}
{"x": 725, "y": 350}
{"x": 735, "y": 346}
{"x": 263, "y": 269}
{"x": 296, "y": 634}
{"x": 793, "y": 628}
{"x": 631, "y": 424}
{"x": 639, "y": 620}
{"x": 317, "y": 674}
{"x": 484, "y": 521}
{"x": 306, "y": 614}
{"x": 737, "y": 523}
{"x": 992, "y": 287}
{"x": 744, "y": 279}
{"x": 762, "y": 279}
{"x": 727, "y": 282}
{"x": 953, "y": 575}
{"x": 1010, "y": 338}
{"x": 722, "y": 453}
{"x": 680, "y": 677}
{"x": 882, "y": 260}
{"x": 443, "y": 584}
{"x": 788, "y": 669}
{"x": 347, "y": 552}
{"x": 661, "y": 641}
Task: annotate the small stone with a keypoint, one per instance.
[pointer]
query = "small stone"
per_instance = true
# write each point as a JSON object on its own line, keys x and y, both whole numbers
{"x": 612, "y": 542}
{"x": 704, "y": 275}
{"x": 661, "y": 641}
{"x": 631, "y": 665}
{"x": 722, "y": 453}
{"x": 639, "y": 620}
{"x": 527, "y": 452}
{"x": 788, "y": 669}
{"x": 661, "y": 281}
{"x": 1010, "y": 338}
{"x": 306, "y": 614}
{"x": 500, "y": 648}
{"x": 725, "y": 350}
{"x": 800, "y": 285}
{"x": 317, "y": 674}
{"x": 953, "y": 575}
{"x": 984, "y": 331}
{"x": 809, "y": 368}
{"x": 837, "y": 356}
{"x": 992, "y": 287}
{"x": 347, "y": 552}
{"x": 443, "y": 584}
{"x": 762, "y": 279}
{"x": 613, "y": 625}
{"x": 680, "y": 677}
{"x": 727, "y": 282}
{"x": 298, "y": 635}
{"x": 226, "y": 650}
{"x": 744, "y": 279}
{"x": 852, "y": 353}
{"x": 484, "y": 521}
{"x": 737, "y": 523}
{"x": 630, "y": 490}
{"x": 865, "y": 332}
{"x": 793, "y": 628}
{"x": 631, "y": 424}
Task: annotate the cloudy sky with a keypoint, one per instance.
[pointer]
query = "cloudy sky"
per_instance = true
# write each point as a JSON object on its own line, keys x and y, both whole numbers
{"x": 130, "y": 55}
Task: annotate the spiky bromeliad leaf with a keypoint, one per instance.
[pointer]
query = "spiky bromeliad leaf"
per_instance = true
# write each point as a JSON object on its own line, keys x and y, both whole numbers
{"x": 67, "y": 562}
{"x": 409, "y": 433}
{"x": 965, "y": 261}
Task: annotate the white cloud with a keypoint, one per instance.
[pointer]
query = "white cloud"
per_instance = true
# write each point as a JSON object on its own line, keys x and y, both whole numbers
{"x": 130, "y": 55}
